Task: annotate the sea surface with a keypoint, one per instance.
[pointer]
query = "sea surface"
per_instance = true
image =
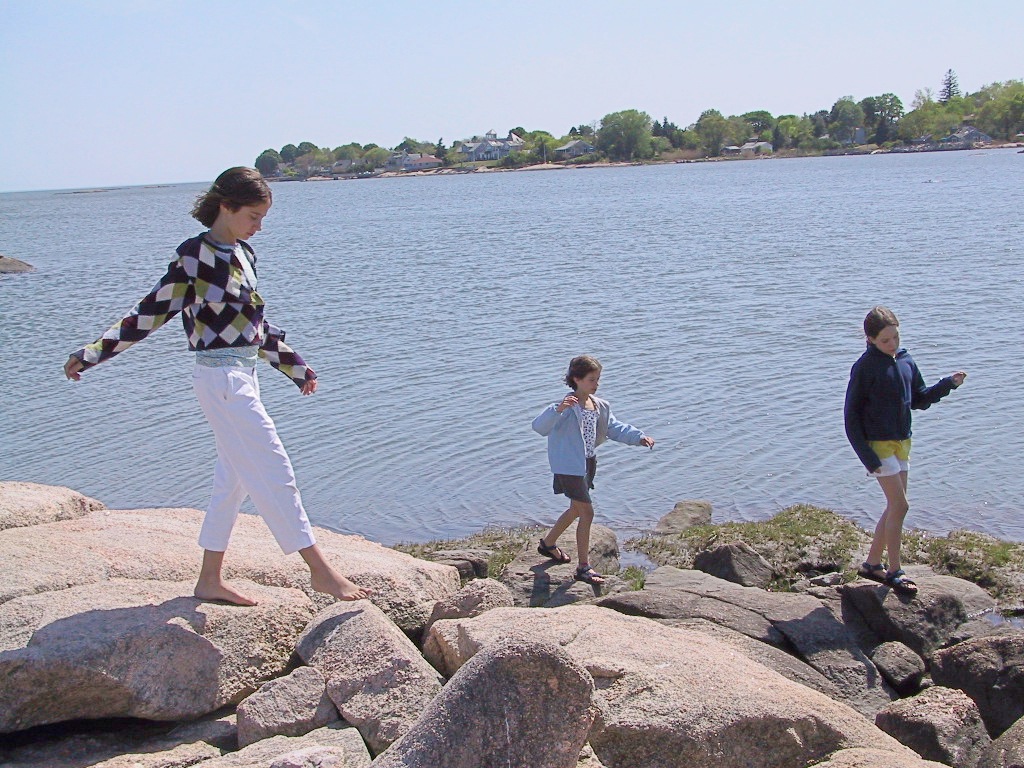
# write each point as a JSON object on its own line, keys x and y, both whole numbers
{"x": 725, "y": 301}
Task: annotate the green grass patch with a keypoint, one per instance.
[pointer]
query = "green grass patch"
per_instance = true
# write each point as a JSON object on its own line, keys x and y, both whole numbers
{"x": 977, "y": 557}
{"x": 504, "y": 544}
{"x": 797, "y": 540}
{"x": 635, "y": 576}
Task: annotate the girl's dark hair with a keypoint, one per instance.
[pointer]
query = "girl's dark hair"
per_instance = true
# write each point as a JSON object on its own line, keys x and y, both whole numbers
{"x": 234, "y": 188}
{"x": 580, "y": 367}
{"x": 878, "y": 319}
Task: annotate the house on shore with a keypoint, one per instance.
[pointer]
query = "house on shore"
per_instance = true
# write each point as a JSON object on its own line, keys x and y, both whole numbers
{"x": 411, "y": 161}
{"x": 574, "y": 148}
{"x": 490, "y": 147}
{"x": 967, "y": 136}
{"x": 754, "y": 148}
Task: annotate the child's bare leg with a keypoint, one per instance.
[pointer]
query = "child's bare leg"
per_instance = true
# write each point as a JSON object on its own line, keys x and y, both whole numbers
{"x": 878, "y": 542}
{"x": 585, "y": 512}
{"x": 564, "y": 521}
{"x": 896, "y": 508}
{"x": 327, "y": 580}
{"x": 211, "y": 585}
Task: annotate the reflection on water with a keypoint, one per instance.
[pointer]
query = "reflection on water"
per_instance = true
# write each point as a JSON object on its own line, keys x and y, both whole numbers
{"x": 723, "y": 299}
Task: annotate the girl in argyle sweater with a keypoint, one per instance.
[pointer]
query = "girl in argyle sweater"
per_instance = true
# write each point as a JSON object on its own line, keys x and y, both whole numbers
{"x": 212, "y": 283}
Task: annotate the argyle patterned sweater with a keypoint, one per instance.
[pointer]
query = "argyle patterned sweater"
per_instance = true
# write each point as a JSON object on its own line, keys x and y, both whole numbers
{"x": 218, "y": 309}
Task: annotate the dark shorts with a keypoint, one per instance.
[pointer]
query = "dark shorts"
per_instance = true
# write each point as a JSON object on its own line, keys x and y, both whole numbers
{"x": 577, "y": 487}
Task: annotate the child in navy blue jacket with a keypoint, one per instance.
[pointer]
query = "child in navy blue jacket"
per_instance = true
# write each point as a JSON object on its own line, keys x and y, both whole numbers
{"x": 574, "y": 427}
{"x": 885, "y": 385}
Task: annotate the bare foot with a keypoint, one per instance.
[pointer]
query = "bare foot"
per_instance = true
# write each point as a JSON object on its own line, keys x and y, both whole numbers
{"x": 333, "y": 583}
{"x": 223, "y": 593}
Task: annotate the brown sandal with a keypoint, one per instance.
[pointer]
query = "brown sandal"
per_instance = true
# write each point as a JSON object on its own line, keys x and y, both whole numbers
{"x": 553, "y": 552}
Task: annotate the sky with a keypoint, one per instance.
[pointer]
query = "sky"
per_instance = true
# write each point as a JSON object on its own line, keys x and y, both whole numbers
{"x": 126, "y": 92}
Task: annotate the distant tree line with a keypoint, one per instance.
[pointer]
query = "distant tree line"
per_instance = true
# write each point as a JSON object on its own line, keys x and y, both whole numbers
{"x": 630, "y": 135}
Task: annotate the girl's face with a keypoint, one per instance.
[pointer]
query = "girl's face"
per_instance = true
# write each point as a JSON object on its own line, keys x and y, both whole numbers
{"x": 587, "y": 385}
{"x": 887, "y": 340}
{"x": 243, "y": 223}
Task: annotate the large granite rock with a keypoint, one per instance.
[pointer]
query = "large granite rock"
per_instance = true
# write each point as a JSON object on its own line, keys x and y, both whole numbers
{"x": 940, "y": 724}
{"x": 519, "y": 703}
{"x": 669, "y": 594}
{"x": 786, "y": 664}
{"x": 375, "y": 676}
{"x": 139, "y": 649}
{"x": 23, "y": 504}
{"x": 288, "y": 706}
{"x": 132, "y": 744}
{"x": 160, "y": 545}
{"x": 670, "y": 697}
{"x": 471, "y": 563}
{"x": 737, "y": 562}
{"x": 684, "y": 515}
{"x": 925, "y": 621}
{"x": 799, "y": 623}
{"x": 991, "y": 671}
{"x": 903, "y": 668}
{"x": 538, "y": 582}
{"x": 1007, "y": 751}
{"x": 473, "y": 599}
{"x": 333, "y": 746}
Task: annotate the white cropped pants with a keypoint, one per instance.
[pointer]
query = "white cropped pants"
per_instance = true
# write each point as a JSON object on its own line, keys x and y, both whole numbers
{"x": 251, "y": 461}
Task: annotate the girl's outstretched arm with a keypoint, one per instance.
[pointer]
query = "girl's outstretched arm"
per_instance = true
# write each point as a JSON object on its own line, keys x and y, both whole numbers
{"x": 922, "y": 397}
{"x": 622, "y": 432}
{"x": 174, "y": 292}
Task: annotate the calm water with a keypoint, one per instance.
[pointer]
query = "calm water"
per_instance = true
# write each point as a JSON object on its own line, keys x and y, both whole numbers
{"x": 724, "y": 300}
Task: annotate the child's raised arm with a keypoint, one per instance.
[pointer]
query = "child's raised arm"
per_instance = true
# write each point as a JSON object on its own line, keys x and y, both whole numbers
{"x": 171, "y": 294}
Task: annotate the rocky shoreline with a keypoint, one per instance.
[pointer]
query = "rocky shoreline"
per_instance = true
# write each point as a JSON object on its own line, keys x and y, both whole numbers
{"x": 739, "y": 654}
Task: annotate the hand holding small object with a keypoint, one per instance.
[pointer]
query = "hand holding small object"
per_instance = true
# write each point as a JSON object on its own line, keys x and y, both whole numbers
{"x": 568, "y": 402}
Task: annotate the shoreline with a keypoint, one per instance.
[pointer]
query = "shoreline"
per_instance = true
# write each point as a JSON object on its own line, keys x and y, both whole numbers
{"x": 791, "y": 540}
{"x": 1019, "y": 146}
{"x": 549, "y": 166}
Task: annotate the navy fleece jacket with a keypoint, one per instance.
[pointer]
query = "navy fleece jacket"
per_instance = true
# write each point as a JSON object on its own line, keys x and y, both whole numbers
{"x": 881, "y": 393}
